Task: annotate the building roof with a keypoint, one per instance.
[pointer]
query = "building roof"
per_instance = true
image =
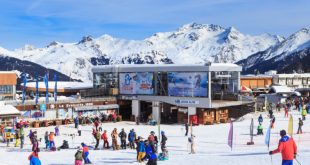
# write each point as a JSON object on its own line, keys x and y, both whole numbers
{"x": 281, "y": 89}
{"x": 167, "y": 67}
{"x": 8, "y": 110}
{"x": 293, "y": 75}
{"x": 253, "y": 76}
{"x": 67, "y": 85}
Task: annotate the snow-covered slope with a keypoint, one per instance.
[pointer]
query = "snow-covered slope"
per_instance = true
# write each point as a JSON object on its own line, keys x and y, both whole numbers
{"x": 284, "y": 56}
{"x": 197, "y": 43}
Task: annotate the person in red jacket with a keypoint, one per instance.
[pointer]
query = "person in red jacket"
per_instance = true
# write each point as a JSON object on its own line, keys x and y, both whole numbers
{"x": 287, "y": 147}
{"x": 104, "y": 137}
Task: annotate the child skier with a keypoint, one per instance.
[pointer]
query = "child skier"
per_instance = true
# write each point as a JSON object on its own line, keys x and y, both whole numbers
{"x": 260, "y": 129}
{"x": 163, "y": 140}
{"x": 141, "y": 150}
{"x": 46, "y": 140}
{"x": 51, "y": 140}
{"x": 300, "y": 124}
{"x": 78, "y": 157}
{"x": 260, "y": 119}
{"x": 85, "y": 154}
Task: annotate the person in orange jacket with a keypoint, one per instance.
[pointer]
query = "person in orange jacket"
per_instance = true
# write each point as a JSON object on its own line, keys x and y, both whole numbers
{"x": 287, "y": 147}
{"x": 51, "y": 139}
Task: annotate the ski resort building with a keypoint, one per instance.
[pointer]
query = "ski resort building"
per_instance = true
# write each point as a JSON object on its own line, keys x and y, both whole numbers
{"x": 173, "y": 93}
{"x": 8, "y": 80}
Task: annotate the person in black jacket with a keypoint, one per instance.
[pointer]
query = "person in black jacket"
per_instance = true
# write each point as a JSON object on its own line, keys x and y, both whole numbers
{"x": 186, "y": 129}
{"x": 123, "y": 137}
{"x": 163, "y": 140}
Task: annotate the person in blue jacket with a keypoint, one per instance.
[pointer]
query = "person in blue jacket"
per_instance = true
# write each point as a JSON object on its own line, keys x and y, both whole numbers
{"x": 131, "y": 139}
{"x": 150, "y": 154}
{"x": 140, "y": 150}
{"x": 34, "y": 158}
{"x": 260, "y": 119}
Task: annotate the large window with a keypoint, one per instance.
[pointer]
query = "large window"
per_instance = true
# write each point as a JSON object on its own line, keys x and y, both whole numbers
{"x": 190, "y": 84}
{"x": 136, "y": 83}
{"x": 6, "y": 89}
{"x": 224, "y": 85}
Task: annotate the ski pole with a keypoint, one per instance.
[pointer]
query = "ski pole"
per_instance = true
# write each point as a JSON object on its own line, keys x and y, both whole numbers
{"x": 271, "y": 159}
{"x": 297, "y": 161}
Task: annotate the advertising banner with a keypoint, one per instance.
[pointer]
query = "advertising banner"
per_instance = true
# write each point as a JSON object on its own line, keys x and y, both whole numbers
{"x": 136, "y": 83}
{"x": 189, "y": 84}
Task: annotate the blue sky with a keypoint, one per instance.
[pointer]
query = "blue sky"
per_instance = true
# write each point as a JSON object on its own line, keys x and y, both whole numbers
{"x": 38, "y": 22}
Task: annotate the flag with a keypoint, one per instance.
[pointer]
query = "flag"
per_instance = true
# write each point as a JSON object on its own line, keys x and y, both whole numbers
{"x": 24, "y": 89}
{"x": 230, "y": 135}
{"x": 46, "y": 87}
{"x": 267, "y": 137}
{"x": 37, "y": 88}
{"x": 252, "y": 129}
{"x": 290, "y": 126}
{"x": 55, "y": 88}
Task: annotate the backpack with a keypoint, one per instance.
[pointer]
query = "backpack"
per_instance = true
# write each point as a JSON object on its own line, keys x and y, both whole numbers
{"x": 79, "y": 155}
{"x": 190, "y": 140}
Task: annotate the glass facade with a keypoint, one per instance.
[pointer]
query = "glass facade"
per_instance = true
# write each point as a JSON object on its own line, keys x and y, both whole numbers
{"x": 224, "y": 85}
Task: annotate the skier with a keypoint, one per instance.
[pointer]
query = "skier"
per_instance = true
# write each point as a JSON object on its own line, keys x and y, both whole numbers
{"x": 22, "y": 137}
{"x": 141, "y": 150}
{"x": 65, "y": 145}
{"x": 273, "y": 120}
{"x": 150, "y": 154}
{"x": 192, "y": 141}
{"x": 17, "y": 137}
{"x": 51, "y": 140}
{"x": 76, "y": 122}
{"x": 104, "y": 137}
{"x": 123, "y": 136}
{"x": 164, "y": 155}
{"x": 34, "y": 158}
{"x": 287, "y": 147}
{"x": 131, "y": 139}
{"x": 85, "y": 154}
{"x": 152, "y": 138}
{"x": 260, "y": 119}
{"x": 57, "y": 130}
{"x": 7, "y": 137}
{"x": 114, "y": 135}
{"x": 304, "y": 113}
{"x": 96, "y": 124}
{"x": 260, "y": 129}
{"x": 47, "y": 142}
{"x": 163, "y": 141}
{"x": 286, "y": 111}
{"x": 97, "y": 137}
{"x": 300, "y": 124}
{"x": 186, "y": 129}
{"x": 78, "y": 157}
{"x": 270, "y": 113}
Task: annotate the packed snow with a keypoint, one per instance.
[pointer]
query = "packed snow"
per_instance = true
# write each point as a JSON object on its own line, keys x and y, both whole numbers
{"x": 211, "y": 142}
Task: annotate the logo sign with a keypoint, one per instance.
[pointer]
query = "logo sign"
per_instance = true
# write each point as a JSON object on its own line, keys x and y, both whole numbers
{"x": 42, "y": 107}
{"x": 178, "y": 101}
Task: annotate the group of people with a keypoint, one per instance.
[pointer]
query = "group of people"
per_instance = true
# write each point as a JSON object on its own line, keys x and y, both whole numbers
{"x": 146, "y": 149}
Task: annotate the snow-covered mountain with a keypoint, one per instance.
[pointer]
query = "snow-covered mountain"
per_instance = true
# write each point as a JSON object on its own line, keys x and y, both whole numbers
{"x": 191, "y": 43}
{"x": 292, "y": 54}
